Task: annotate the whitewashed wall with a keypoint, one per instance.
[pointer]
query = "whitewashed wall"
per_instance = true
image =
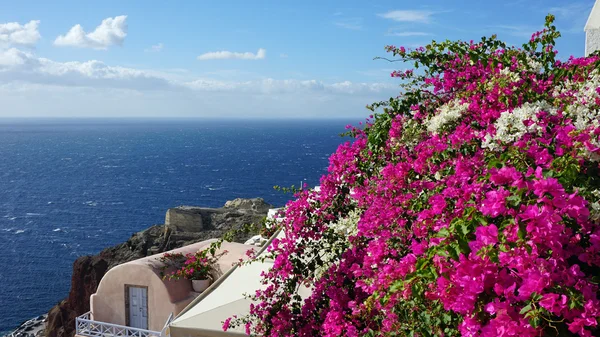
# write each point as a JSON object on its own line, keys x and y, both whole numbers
{"x": 592, "y": 30}
{"x": 592, "y": 41}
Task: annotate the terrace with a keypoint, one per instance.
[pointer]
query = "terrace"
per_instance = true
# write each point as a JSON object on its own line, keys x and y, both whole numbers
{"x": 85, "y": 326}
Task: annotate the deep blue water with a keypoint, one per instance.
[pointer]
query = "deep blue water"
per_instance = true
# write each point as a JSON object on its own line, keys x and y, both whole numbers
{"x": 70, "y": 188}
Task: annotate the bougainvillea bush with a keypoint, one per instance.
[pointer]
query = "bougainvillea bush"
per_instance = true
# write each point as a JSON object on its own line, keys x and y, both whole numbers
{"x": 468, "y": 206}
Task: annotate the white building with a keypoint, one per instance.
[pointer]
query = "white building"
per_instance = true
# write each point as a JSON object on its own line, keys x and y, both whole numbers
{"x": 592, "y": 30}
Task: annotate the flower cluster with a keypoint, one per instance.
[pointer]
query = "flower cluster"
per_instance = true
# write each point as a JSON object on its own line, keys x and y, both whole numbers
{"x": 468, "y": 206}
{"x": 196, "y": 266}
{"x": 447, "y": 114}
{"x": 512, "y": 125}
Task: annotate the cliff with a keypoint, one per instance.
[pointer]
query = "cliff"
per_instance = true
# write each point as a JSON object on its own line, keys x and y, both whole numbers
{"x": 183, "y": 225}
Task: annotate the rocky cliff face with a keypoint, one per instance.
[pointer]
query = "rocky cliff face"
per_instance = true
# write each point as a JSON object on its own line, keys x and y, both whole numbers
{"x": 183, "y": 225}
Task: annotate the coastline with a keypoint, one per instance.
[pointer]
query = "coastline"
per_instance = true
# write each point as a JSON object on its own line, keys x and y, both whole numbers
{"x": 183, "y": 225}
{"x": 33, "y": 327}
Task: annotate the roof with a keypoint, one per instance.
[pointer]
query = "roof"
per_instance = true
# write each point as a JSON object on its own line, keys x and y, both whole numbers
{"x": 593, "y": 21}
{"x": 206, "y": 317}
{"x": 151, "y": 267}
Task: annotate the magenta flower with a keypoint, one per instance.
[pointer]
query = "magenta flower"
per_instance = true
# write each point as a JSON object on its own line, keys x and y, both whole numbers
{"x": 505, "y": 176}
{"x": 494, "y": 203}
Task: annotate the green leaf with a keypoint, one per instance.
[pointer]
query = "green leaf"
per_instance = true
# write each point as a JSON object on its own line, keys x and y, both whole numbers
{"x": 397, "y": 285}
{"x": 464, "y": 229}
{"x": 535, "y": 322}
{"x": 443, "y": 232}
{"x": 525, "y": 309}
{"x": 454, "y": 250}
{"x": 446, "y": 318}
{"x": 481, "y": 219}
{"x": 464, "y": 246}
{"x": 522, "y": 233}
{"x": 514, "y": 199}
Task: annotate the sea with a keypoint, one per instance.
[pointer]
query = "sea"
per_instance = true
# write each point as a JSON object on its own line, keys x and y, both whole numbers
{"x": 73, "y": 187}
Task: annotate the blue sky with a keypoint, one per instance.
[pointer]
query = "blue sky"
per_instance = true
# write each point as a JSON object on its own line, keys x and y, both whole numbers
{"x": 258, "y": 59}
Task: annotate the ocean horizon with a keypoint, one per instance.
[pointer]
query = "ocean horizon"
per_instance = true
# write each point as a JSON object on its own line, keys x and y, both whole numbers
{"x": 74, "y": 186}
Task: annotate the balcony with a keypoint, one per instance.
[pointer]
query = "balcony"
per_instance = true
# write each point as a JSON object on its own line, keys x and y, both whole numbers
{"x": 86, "y": 327}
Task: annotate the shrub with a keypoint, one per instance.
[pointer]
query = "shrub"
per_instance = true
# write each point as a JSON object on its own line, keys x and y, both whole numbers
{"x": 468, "y": 207}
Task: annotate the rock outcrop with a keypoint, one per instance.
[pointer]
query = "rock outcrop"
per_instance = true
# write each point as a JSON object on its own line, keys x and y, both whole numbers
{"x": 31, "y": 328}
{"x": 183, "y": 225}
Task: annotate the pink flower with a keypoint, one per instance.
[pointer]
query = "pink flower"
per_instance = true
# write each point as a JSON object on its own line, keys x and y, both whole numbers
{"x": 226, "y": 323}
{"x": 485, "y": 235}
{"x": 488, "y": 235}
{"x": 469, "y": 327}
{"x": 494, "y": 203}
{"x": 438, "y": 203}
{"x": 505, "y": 176}
{"x": 554, "y": 303}
{"x": 534, "y": 281}
{"x": 418, "y": 248}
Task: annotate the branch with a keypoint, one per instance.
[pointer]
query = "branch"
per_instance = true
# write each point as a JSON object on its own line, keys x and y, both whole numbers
{"x": 383, "y": 58}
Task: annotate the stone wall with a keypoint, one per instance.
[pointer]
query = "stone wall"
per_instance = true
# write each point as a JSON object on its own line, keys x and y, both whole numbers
{"x": 184, "y": 219}
{"x": 195, "y": 219}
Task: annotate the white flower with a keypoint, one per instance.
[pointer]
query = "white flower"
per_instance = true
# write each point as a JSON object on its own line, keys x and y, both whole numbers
{"x": 510, "y": 126}
{"x": 584, "y": 111}
{"x": 514, "y": 77}
{"x": 534, "y": 65}
{"x": 412, "y": 132}
{"x": 326, "y": 251}
{"x": 348, "y": 225}
{"x": 595, "y": 211}
{"x": 447, "y": 113}
{"x": 489, "y": 143}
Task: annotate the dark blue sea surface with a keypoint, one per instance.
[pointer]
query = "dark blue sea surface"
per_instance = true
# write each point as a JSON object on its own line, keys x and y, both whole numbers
{"x": 73, "y": 187}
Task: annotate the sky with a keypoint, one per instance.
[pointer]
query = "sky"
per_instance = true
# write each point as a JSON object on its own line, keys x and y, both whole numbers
{"x": 237, "y": 59}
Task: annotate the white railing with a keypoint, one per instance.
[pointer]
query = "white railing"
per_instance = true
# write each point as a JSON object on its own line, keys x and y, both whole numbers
{"x": 85, "y": 326}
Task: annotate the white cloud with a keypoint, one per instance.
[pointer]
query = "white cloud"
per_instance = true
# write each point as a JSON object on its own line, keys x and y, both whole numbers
{"x": 19, "y": 66}
{"x": 111, "y": 32}
{"x": 228, "y": 55}
{"x": 419, "y": 16}
{"x": 270, "y": 86}
{"x": 16, "y": 65}
{"x": 36, "y": 86}
{"x": 351, "y": 88}
{"x": 155, "y": 48}
{"x": 13, "y": 33}
{"x": 13, "y": 58}
{"x": 35, "y": 101}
